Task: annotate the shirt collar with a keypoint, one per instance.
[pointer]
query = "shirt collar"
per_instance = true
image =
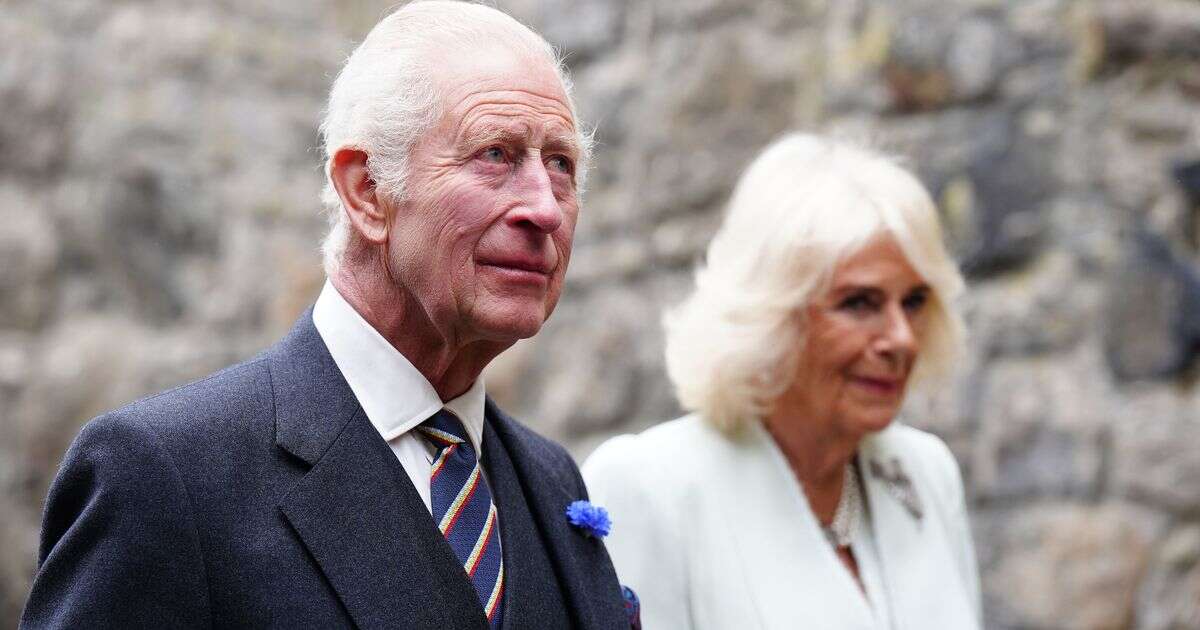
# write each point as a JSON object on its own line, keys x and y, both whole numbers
{"x": 395, "y": 395}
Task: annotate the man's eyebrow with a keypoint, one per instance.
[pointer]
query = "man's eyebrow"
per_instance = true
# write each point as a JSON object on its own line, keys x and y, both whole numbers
{"x": 480, "y": 136}
{"x": 488, "y": 135}
{"x": 564, "y": 142}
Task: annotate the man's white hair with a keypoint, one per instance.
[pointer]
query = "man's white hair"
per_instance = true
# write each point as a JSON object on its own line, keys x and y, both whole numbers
{"x": 803, "y": 205}
{"x": 387, "y": 95}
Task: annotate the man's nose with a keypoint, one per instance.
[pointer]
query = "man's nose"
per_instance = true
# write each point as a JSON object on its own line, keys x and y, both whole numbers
{"x": 539, "y": 209}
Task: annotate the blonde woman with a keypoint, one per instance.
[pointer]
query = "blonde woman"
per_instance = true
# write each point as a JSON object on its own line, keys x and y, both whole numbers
{"x": 791, "y": 497}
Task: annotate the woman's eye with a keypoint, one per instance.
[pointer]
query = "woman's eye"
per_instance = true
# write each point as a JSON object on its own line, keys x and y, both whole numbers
{"x": 856, "y": 303}
{"x": 915, "y": 302}
{"x": 493, "y": 154}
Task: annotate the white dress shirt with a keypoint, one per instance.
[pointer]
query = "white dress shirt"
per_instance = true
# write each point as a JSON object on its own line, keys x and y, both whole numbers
{"x": 394, "y": 394}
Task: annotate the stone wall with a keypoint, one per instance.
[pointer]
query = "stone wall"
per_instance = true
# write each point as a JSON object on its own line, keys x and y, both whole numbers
{"x": 158, "y": 197}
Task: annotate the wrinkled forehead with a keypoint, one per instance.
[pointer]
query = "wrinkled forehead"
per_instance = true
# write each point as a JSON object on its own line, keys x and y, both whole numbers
{"x": 496, "y": 74}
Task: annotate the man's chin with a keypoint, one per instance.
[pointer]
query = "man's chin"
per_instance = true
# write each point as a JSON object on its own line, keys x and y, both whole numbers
{"x": 511, "y": 325}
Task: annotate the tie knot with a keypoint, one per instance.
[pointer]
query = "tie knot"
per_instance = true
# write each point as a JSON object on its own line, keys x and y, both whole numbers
{"x": 443, "y": 429}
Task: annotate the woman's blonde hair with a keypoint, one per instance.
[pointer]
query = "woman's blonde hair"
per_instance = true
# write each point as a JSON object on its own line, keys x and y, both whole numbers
{"x": 803, "y": 205}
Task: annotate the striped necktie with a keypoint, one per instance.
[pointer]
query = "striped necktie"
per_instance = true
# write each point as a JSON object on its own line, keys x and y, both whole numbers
{"x": 462, "y": 507}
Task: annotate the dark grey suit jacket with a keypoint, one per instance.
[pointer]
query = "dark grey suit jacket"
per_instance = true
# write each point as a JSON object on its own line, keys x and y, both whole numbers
{"x": 262, "y": 497}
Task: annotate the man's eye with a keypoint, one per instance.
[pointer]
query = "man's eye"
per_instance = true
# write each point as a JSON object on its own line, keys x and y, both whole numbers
{"x": 492, "y": 154}
{"x": 561, "y": 164}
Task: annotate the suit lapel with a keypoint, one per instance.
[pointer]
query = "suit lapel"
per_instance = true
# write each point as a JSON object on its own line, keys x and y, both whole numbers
{"x": 531, "y": 595}
{"x": 912, "y": 541}
{"x": 585, "y": 574}
{"x": 356, "y": 510}
{"x": 796, "y": 579}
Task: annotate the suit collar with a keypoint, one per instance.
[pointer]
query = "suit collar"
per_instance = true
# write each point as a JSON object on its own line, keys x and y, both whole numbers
{"x": 355, "y": 510}
{"x": 312, "y": 400}
{"x": 366, "y": 528}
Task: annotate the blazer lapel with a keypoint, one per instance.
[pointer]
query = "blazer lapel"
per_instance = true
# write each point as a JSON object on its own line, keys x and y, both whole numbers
{"x": 585, "y": 573}
{"x": 356, "y": 510}
{"x": 532, "y": 598}
{"x": 796, "y": 579}
{"x": 911, "y": 541}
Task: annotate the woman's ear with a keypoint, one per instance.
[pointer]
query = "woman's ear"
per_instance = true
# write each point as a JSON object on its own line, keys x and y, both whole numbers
{"x": 356, "y": 188}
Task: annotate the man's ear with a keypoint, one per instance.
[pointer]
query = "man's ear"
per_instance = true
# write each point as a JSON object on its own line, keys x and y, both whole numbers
{"x": 354, "y": 185}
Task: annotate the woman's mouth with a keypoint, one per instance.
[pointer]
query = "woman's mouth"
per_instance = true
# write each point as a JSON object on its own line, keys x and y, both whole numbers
{"x": 879, "y": 386}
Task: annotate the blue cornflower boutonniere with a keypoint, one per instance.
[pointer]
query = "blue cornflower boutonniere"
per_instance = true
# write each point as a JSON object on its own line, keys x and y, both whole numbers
{"x": 592, "y": 519}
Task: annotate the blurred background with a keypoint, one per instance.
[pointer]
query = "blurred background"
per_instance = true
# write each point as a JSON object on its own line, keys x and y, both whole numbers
{"x": 159, "y": 219}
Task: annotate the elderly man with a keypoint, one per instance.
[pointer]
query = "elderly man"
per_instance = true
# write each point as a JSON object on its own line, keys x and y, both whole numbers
{"x": 355, "y": 475}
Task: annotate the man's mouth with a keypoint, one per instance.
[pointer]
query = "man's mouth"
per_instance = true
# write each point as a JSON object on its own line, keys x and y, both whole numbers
{"x": 521, "y": 269}
{"x": 535, "y": 265}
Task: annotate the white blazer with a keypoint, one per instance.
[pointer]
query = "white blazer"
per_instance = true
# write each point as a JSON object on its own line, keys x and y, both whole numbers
{"x": 715, "y": 532}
